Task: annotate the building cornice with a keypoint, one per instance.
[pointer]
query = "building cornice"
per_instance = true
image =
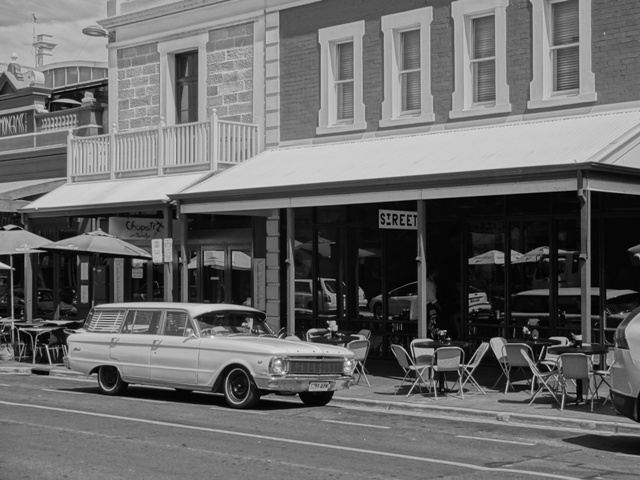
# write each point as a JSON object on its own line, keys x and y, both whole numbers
{"x": 250, "y": 7}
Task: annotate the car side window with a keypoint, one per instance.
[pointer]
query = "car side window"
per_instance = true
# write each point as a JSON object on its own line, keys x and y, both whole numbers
{"x": 142, "y": 322}
{"x": 177, "y": 324}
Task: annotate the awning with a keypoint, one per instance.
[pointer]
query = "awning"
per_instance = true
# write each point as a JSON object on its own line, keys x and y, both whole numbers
{"x": 16, "y": 195}
{"x": 110, "y": 196}
{"x": 513, "y": 157}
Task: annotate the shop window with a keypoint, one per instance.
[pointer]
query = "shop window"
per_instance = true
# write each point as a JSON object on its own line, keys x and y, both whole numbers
{"x": 562, "y": 72}
{"x": 480, "y": 52}
{"x": 183, "y": 79}
{"x": 407, "y": 68}
{"x": 186, "y": 87}
{"x": 342, "y": 107}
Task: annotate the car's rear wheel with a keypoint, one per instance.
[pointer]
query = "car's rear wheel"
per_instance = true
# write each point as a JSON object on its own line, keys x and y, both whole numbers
{"x": 240, "y": 391}
{"x": 110, "y": 381}
{"x": 316, "y": 399}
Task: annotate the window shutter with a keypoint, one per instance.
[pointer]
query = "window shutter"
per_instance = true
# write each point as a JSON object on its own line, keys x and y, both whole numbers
{"x": 484, "y": 51}
{"x": 410, "y": 70}
{"x": 344, "y": 77}
{"x": 566, "y": 40}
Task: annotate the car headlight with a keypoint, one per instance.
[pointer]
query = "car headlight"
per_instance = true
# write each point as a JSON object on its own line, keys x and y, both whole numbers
{"x": 348, "y": 366}
{"x": 278, "y": 366}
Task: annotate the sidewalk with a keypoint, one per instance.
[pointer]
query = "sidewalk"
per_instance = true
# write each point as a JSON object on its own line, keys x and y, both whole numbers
{"x": 495, "y": 406}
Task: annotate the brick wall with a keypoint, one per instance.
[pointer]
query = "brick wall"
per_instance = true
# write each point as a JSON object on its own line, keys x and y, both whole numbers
{"x": 138, "y": 86}
{"x": 230, "y": 72}
{"x": 616, "y": 45}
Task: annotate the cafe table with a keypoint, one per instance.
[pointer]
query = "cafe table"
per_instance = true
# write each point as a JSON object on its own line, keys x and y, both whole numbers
{"x": 438, "y": 344}
{"x": 590, "y": 349}
{"x": 339, "y": 339}
{"x": 34, "y": 333}
{"x": 539, "y": 345}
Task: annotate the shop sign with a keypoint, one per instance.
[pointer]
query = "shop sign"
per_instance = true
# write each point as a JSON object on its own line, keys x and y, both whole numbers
{"x": 17, "y": 123}
{"x": 397, "y": 220}
{"x": 127, "y": 228}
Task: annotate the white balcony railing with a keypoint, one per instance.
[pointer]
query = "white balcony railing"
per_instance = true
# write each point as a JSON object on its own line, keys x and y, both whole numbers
{"x": 162, "y": 150}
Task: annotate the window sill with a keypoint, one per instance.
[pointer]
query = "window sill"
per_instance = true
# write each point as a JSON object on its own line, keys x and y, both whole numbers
{"x": 562, "y": 101}
{"x": 402, "y": 121}
{"x": 329, "y": 130}
{"x": 480, "y": 111}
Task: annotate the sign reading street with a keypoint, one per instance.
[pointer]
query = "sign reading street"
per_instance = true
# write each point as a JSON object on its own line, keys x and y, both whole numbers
{"x": 397, "y": 220}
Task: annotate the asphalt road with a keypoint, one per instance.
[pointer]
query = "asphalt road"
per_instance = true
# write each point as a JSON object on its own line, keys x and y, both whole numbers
{"x": 60, "y": 428}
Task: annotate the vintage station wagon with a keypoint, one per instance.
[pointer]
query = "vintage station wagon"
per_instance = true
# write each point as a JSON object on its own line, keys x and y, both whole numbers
{"x": 218, "y": 348}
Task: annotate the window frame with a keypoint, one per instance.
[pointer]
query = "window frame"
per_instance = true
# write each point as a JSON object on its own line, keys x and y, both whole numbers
{"x": 393, "y": 26}
{"x": 541, "y": 91}
{"x": 464, "y": 12}
{"x": 329, "y": 38}
{"x": 189, "y": 81}
{"x": 168, "y": 51}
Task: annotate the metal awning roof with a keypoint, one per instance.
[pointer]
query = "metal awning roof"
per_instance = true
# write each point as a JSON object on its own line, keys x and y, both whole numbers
{"x": 512, "y": 157}
{"x": 14, "y": 195}
{"x": 109, "y": 196}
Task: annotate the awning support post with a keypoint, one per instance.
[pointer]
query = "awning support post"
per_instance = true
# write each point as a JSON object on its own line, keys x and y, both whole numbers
{"x": 421, "y": 260}
{"x": 291, "y": 272}
{"x": 584, "y": 196}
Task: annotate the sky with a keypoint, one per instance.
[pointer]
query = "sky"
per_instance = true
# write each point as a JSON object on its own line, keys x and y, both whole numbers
{"x": 63, "y": 19}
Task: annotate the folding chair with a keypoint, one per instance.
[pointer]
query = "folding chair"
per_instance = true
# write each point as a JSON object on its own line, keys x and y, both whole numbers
{"x": 514, "y": 354}
{"x": 361, "y": 349}
{"x": 496, "y": 344}
{"x": 550, "y": 359}
{"x": 365, "y": 333}
{"x": 448, "y": 359}
{"x": 422, "y": 353}
{"x": 576, "y": 366}
{"x": 603, "y": 375}
{"x": 542, "y": 378}
{"x": 409, "y": 368}
{"x": 470, "y": 367}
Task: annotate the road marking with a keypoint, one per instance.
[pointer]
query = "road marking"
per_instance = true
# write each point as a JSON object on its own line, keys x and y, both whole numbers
{"x": 496, "y": 440}
{"x": 357, "y": 424}
{"x": 62, "y": 391}
{"x": 142, "y": 400}
{"x": 228, "y": 410}
{"x": 280, "y": 440}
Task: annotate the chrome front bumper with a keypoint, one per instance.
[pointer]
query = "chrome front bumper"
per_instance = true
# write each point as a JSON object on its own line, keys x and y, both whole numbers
{"x": 299, "y": 384}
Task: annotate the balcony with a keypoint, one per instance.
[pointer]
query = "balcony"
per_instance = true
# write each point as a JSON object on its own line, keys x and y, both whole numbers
{"x": 202, "y": 146}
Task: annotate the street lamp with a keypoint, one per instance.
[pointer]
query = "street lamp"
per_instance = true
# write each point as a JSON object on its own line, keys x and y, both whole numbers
{"x": 95, "y": 31}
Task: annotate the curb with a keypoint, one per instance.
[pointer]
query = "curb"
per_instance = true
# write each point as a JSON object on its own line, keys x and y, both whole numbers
{"x": 490, "y": 415}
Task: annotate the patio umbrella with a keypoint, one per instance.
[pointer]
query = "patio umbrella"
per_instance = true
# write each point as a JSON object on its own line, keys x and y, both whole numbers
{"x": 634, "y": 255}
{"x": 493, "y": 257}
{"x": 100, "y": 243}
{"x": 15, "y": 240}
{"x": 537, "y": 254}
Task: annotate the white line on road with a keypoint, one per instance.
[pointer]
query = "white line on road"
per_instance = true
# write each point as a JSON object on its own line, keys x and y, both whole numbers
{"x": 495, "y": 440}
{"x": 327, "y": 446}
{"x": 357, "y": 424}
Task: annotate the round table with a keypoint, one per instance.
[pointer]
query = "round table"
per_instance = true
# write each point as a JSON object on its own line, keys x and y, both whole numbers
{"x": 585, "y": 350}
{"x": 340, "y": 339}
{"x": 441, "y": 343}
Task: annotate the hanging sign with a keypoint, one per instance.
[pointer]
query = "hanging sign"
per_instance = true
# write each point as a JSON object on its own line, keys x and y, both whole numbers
{"x": 397, "y": 220}
{"x": 156, "y": 250}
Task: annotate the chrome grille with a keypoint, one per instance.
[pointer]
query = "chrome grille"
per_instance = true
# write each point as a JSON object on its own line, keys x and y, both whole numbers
{"x": 315, "y": 366}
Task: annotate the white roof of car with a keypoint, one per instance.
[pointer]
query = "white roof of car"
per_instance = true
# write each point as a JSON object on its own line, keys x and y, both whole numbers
{"x": 576, "y": 291}
{"x": 194, "y": 309}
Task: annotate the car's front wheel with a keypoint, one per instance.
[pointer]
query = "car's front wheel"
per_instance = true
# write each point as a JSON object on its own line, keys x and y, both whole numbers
{"x": 240, "y": 390}
{"x": 110, "y": 381}
{"x": 316, "y": 399}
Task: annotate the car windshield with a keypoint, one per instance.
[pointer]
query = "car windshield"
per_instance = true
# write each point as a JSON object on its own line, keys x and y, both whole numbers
{"x": 232, "y": 322}
{"x": 623, "y": 303}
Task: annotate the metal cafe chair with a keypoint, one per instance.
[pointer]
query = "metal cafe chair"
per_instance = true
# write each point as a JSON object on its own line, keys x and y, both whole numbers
{"x": 543, "y": 379}
{"x": 576, "y": 366}
{"x": 449, "y": 359}
{"x": 496, "y": 344}
{"x": 316, "y": 332}
{"x": 469, "y": 368}
{"x": 361, "y": 349}
{"x": 410, "y": 368}
{"x": 515, "y": 361}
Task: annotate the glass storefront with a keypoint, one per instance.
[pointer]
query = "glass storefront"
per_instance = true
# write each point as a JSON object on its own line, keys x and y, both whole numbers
{"x": 350, "y": 270}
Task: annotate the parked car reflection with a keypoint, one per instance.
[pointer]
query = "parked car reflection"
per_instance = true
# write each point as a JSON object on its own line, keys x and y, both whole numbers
{"x": 534, "y": 305}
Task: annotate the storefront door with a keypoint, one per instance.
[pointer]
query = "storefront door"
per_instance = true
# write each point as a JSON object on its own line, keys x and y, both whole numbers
{"x": 220, "y": 274}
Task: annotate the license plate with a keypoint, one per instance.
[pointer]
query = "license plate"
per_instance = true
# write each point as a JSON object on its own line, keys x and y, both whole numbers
{"x": 318, "y": 386}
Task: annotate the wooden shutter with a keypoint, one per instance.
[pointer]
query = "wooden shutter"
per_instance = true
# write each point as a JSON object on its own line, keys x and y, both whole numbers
{"x": 344, "y": 79}
{"x": 410, "y": 70}
{"x": 566, "y": 45}
{"x": 484, "y": 64}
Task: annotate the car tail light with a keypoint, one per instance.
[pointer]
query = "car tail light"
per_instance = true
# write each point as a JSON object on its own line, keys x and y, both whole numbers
{"x": 620, "y": 337}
